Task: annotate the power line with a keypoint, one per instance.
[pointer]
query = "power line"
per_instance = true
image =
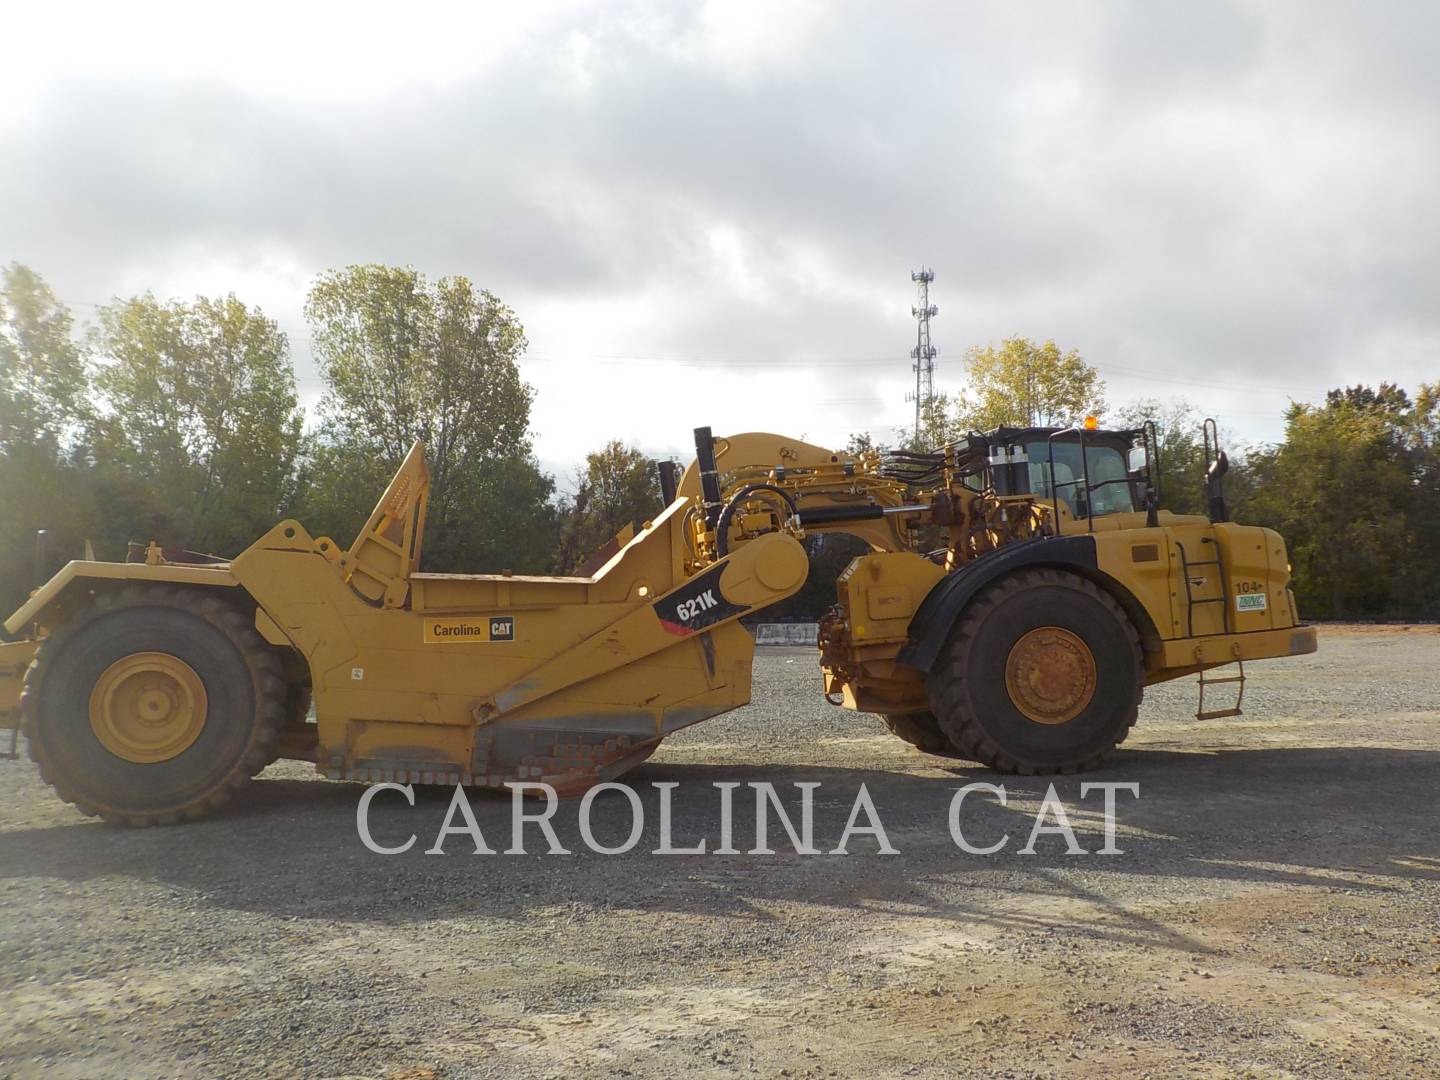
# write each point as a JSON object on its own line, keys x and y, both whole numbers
{"x": 927, "y": 388}
{"x": 725, "y": 362}
{"x": 710, "y": 360}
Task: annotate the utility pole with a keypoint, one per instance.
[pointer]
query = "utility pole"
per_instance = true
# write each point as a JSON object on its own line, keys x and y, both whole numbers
{"x": 924, "y": 353}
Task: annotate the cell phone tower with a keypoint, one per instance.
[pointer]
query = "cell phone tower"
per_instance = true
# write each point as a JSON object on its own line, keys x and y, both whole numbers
{"x": 924, "y": 353}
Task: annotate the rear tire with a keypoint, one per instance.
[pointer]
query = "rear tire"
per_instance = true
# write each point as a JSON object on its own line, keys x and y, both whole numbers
{"x": 1042, "y": 674}
{"x": 104, "y": 686}
{"x": 922, "y": 731}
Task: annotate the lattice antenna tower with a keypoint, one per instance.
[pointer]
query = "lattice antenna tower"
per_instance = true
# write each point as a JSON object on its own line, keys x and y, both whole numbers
{"x": 924, "y": 353}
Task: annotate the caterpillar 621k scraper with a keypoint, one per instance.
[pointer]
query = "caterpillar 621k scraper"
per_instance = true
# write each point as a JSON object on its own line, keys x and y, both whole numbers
{"x": 1021, "y": 592}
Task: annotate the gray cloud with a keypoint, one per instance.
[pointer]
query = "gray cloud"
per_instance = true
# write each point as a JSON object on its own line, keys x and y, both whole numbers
{"x": 1242, "y": 193}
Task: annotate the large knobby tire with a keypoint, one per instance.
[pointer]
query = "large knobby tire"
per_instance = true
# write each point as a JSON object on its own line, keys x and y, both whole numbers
{"x": 1042, "y": 674}
{"x": 922, "y": 731}
{"x": 153, "y": 705}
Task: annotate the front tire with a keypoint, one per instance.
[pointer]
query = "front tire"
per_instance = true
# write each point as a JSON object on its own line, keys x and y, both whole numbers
{"x": 922, "y": 731}
{"x": 153, "y": 705}
{"x": 1042, "y": 674}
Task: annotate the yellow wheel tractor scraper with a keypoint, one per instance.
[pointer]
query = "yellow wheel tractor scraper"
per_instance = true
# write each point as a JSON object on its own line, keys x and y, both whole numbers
{"x": 1021, "y": 591}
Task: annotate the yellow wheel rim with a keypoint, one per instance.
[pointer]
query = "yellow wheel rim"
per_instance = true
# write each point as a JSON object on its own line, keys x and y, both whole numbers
{"x": 1050, "y": 675}
{"x": 148, "y": 707}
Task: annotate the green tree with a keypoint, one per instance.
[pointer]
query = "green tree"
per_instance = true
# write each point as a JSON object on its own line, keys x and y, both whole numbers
{"x": 1422, "y": 436}
{"x": 939, "y": 424}
{"x": 618, "y": 486}
{"x": 200, "y": 424}
{"x": 1024, "y": 384}
{"x": 406, "y": 359}
{"x": 862, "y": 442}
{"x": 1181, "y": 474}
{"x": 1352, "y": 489}
{"x": 43, "y": 380}
{"x": 44, "y": 406}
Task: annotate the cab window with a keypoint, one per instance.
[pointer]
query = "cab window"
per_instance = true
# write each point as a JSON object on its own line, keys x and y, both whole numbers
{"x": 1110, "y": 488}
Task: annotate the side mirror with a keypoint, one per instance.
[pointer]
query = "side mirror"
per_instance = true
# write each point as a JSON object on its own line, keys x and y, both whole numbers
{"x": 1136, "y": 461}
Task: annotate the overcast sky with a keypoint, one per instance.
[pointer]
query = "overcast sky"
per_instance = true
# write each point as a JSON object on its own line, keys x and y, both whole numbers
{"x": 708, "y": 213}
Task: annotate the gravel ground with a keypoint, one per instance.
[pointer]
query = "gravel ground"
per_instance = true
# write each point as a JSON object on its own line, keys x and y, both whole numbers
{"x": 1275, "y": 912}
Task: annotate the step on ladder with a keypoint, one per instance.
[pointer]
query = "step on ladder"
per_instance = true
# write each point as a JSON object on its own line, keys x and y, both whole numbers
{"x": 1191, "y": 600}
{"x": 1217, "y": 714}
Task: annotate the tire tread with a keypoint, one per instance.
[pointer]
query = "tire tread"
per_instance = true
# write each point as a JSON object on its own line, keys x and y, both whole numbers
{"x": 921, "y": 730}
{"x": 947, "y": 680}
{"x": 259, "y": 658}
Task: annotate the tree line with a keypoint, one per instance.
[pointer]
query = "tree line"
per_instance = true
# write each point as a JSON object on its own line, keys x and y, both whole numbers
{"x": 1353, "y": 485}
{"x": 180, "y": 422}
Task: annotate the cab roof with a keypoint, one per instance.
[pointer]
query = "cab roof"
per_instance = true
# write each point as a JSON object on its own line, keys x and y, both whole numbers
{"x": 1010, "y": 435}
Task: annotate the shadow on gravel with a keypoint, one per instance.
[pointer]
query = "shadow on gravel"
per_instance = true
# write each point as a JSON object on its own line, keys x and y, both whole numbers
{"x": 1299, "y": 816}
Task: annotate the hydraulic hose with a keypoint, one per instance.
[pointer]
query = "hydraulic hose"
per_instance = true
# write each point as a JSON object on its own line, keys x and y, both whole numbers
{"x": 722, "y": 525}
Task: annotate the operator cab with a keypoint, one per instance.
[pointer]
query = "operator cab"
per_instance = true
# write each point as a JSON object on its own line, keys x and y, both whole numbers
{"x": 1088, "y": 471}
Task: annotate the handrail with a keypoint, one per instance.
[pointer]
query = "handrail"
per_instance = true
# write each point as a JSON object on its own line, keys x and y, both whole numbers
{"x": 1150, "y": 436}
{"x": 1084, "y": 471}
{"x": 1150, "y": 439}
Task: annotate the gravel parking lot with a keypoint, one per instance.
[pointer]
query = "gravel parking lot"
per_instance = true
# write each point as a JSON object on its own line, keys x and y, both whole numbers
{"x": 1275, "y": 911}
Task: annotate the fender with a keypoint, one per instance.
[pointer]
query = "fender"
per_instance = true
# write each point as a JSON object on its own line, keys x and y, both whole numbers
{"x": 943, "y": 604}
{"x": 85, "y": 576}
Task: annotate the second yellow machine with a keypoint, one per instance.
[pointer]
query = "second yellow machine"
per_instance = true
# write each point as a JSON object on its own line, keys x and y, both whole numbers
{"x": 1021, "y": 591}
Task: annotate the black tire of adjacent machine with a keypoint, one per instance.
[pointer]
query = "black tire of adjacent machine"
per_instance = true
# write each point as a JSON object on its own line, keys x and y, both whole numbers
{"x": 1042, "y": 673}
{"x": 153, "y": 705}
{"x": 922, "y": 731}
